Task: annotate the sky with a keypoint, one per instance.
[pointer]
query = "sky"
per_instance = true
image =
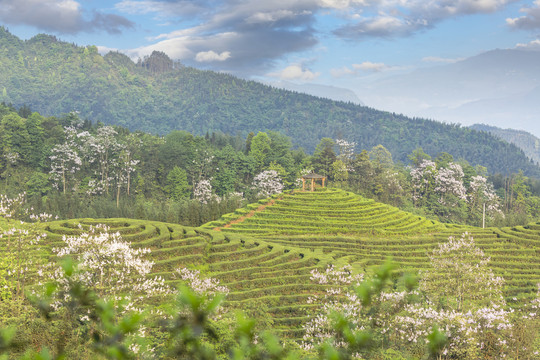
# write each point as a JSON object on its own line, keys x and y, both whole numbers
{"x": 332, "y": 42}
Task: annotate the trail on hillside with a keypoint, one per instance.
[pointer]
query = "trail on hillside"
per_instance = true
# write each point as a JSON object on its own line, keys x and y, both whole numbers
{"x": 244, "y": 217}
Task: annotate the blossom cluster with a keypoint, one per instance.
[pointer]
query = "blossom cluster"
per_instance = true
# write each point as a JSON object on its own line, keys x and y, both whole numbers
{"x": 346, "y": 152}
{"x": 203, "y": 191}
{"x": 108, "y": 265}
{"x": 447, "y": 183}
{"x": 10, "y": 206}
{"x": 112, "y": 161}
{"x": 202, "y": 286}
{"x": 480, "y": 322}
{"x": 268, "y": 183}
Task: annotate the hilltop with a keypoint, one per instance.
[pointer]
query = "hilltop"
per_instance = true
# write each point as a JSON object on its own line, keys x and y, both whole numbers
{"x": 158, "y": 95}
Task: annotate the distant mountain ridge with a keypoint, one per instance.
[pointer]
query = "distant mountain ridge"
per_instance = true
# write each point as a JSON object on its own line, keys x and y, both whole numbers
{"x": 159, "y": 95}
{"x": 495, "y": 87}
{"x": 324, "y": 91}
{"x": 529, "y": 143}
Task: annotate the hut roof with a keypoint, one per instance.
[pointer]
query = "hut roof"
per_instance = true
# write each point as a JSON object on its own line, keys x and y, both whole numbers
{"x": 313, "y": 176}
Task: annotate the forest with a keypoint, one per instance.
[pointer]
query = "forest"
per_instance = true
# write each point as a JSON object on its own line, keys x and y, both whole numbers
{"x": 157, "y": 95}
{"x": 73, "y": 168}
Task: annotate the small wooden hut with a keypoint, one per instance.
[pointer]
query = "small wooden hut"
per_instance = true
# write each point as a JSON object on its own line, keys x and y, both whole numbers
{"x": 313, "y": 177}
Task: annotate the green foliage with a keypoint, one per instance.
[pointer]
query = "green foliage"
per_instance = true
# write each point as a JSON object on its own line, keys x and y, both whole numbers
{"x": 158, "y": 96}
{"x": 260, "y": 149}
{"x": 177, "y": 184}
{"x": 324, "y": 156}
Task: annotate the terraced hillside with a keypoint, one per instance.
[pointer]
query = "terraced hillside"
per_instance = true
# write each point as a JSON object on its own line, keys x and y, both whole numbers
{"x": 362, "y": 232}
{"x": 276, "y": 276}
{"x": 264, "y": 252}
{"x": 328, "y": 211}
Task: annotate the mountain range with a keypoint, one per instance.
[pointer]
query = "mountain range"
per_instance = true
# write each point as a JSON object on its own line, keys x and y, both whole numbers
{"x": 529, "y": 143}
{"x": 159, "y": 95}
{"x": 499, "y": 87}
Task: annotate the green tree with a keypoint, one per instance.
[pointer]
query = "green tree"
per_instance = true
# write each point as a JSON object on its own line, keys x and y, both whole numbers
{"x": 260, "y": 149}
{"x": 177, "y": 184}
{"x": 417, "y": 156}
{"x": 339, "y": 171}
{"x": 324, "y": 156}
{"x": 381, "y": 158}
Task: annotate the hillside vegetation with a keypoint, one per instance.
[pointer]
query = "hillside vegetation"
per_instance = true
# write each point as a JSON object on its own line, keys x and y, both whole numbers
{"x": 158, "y": 95}
{"x": 526, "y": 141}
{"x": 264, "y": 253}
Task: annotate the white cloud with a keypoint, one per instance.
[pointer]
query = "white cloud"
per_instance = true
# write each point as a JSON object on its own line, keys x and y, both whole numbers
{"x": 390, "y": 18}
{"x": 259, "y": 33}
{"x": 208, "y": 56}
{"x": 342, "y": 72}
{"x": 532, "y": 45}
{"x": 273, "y": 16}
{"x": 60, "y": 16}
{"x": 436, "y": 59}
{"x": 161, "y": 8}
{"x": 295, "y": 72}
{"x": 356, "y": 69}
{"x": 104, "y": 49}
{"x": 531, "y": 19}
{"x": 369, "y": 66}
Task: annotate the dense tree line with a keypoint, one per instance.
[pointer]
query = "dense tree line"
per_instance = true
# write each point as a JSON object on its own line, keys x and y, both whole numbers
{"x": 157, "y": 95}
{"x": 73, "y": 168}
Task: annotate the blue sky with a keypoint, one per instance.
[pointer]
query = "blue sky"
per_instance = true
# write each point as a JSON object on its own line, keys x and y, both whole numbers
{"x": 323, "y": 41}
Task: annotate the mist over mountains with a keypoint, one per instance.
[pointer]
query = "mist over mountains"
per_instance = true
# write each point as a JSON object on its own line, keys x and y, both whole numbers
{"x": 499, "y": 87}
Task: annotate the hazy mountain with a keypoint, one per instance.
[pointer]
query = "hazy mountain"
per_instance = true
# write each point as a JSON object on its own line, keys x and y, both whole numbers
{"x": 529, "y": 143}
{"x": 320, "y": 90}
{"x": 158, "y": 95}
{"x": 499, "y": 87}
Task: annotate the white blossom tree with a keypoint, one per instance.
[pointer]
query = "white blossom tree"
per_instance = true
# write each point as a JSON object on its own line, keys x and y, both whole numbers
{"x": 107, "y": 265}
{"x": 346, "y": 152}
{"x": 449, "y": 184}
{"x": 423, "y": 180}
{"x": 481, "y": 192}
{"x": 459, "y": 276}
{"x": 459, "y": 293}
{"x": 102, "y": 151}
{"x": 203, "y": 191}
{"x": 268, "y": 183}
{"x": 66, "y": 160}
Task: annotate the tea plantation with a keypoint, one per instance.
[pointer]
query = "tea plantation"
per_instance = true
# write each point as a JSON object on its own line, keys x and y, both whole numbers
{"x": 264, "y": 253}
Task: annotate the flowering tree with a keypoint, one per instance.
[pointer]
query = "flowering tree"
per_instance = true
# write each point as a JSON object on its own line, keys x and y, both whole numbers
{"x": 202, "y": 191}
{"x": 102, "y": 150}
{"x": 471, "y": 308}
{"x": 65, "y": 159}
{"x": 449, "y": 184}
{"x": 459, "y": 294}
{"x": 462, "y": 268}
{"x": 268, "y": 183}
{"x": 109, "y": 266}
{"x": 207, "y": 287}
{"x": 346, "y": 152}
{"x": 335, "y": 299}
{"x": 124, "y": 167}
{"x": 443, "y": 190}
{"x": 482, "y": 192}
{"x": 423, "y": 180}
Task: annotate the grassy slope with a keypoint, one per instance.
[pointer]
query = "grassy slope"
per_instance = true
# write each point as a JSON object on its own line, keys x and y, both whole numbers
{"x": 266, "y": 256}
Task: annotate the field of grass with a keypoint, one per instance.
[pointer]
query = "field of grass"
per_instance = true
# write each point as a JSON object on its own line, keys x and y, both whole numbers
{"x": 264, "y": 252}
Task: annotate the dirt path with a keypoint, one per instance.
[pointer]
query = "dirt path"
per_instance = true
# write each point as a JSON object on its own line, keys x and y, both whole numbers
{"x": 244, "y": 217}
